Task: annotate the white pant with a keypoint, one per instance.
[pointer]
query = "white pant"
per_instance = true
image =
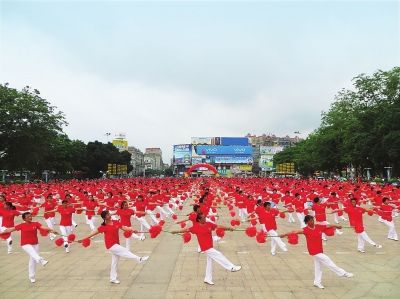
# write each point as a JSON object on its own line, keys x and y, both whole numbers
{"x": 362, "y": 237}
{"x": 275, "y": 240}
{"x": 118, "y": 251}
{"x": 213, "y": 254}
{"x": 152, "y": 217}
{"x": 9, "y": 240}
{"x": 66, "y": 231}
{"x": 392, "y": 229}
{"x": 291, "y": 218}
{"x": 90, "y": 222}
{"x": 243, "y": 213}
{"x": 300, "y": 216}
{"x": 143, "y": 223}
{"x": 163, "y": 213}
{"x": 128, "y": 240}
{"x": 49, "y": 222}
{"x": 34, "y": 258}
{"x": 322, "y": 259}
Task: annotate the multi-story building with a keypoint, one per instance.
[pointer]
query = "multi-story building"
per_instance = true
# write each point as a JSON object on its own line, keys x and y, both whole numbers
{"x": 153, "y": 158}
{"x": 266, "y": 146}
{"x": 137, "y": 161}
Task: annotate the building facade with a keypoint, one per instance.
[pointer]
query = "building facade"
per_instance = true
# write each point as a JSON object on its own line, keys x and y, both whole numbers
{"x": 137, "y": 161}
{"x": 153, "y": 159}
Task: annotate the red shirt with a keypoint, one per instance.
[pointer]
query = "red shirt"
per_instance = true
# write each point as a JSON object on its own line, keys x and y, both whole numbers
{"x": 356, "y": 216}
{"x": 90, "y": 207}
{"x": 28, "y": 232}
{"x": 125, "y": 216}
{"x": 140, "y": 208}
{"x": 319, "y": 209}
{"x": 268, "y": 218}
{"x": 314, "y": 239}
{"x": 299, "y": 205}
{"x": 66, "y": 215}
{"x": 203, "y": 234}
{"x": 387, "y": 212}
{"x": 8, "y": 217}
{"x": 49, "y": 206}
{"x": 111, "y": 233}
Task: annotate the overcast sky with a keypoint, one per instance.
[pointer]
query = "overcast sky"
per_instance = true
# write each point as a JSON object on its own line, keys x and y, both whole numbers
{"x": 165, "y": 71}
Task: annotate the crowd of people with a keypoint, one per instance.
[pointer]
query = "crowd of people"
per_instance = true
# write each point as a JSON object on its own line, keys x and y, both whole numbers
{"x": 140, "y": 207}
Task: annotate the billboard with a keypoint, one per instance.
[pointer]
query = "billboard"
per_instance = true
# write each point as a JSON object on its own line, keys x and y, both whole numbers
{"x": 120, "y": 144}
{"x": 270, "y": 150}
{"x": 182, "y": 154}
{"x": 197, "y": 160}
{"x": 266, "y": 162}
{"x": 223, "y": 150}
{"x": 206, "y": 140}
{"x": 232, "y": 159}
{"x": 234, "y": 141}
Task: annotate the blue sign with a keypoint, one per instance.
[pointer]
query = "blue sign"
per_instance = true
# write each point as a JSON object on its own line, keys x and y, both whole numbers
{"x": 244, "y": 141}
{"x": 223, "y": 150}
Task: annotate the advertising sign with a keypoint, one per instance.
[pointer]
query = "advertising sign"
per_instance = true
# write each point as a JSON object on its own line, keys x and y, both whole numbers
{"x": 120, "y": 144}
{"x": 182, "y": 154}
{"x": 266, "y": 162}
{"x": 270, "y": 150}
{"x": 197, "y": 160}
{"x": 235, "y": 141}
{"x": 233, "y": 159}
{"x": 203, "y": 140}
{"x": 223, "y": 150}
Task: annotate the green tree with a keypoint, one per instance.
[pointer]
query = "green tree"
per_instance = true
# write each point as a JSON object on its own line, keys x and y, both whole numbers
{"x": 28, "y": 127}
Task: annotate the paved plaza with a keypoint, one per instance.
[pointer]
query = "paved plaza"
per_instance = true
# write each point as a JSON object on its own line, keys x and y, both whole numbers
{"x": 176, "y": 270}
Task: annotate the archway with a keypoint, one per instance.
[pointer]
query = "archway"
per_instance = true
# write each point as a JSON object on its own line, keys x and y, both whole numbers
{"x": 197, "y": 166}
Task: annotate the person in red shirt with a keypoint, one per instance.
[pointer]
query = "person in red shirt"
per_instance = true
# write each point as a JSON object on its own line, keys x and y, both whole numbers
{"x": 29, "y": 242}
{"x": 298, "y": 203}
{"x": 49, "y": 205}
{"x": 90, "y": 208}
{"x": 110, "y": 229}
{"x": 386, "y": 210}
{"x": 203, "y": 231}
{"x": 125, "y": 214}
{"x": 313, "y": 234}
{"x": 288, "y": 204}
{"x": 66, "y": 211}
{"x": 8, "y": 213}
{"x": 269, "y": 223}
{"x": 140, "y": 212}
{"x": 319, "y": 209}
{"x": 355, "y": 214}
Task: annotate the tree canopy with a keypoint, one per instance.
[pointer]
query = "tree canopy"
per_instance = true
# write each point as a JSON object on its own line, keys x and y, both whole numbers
{"x": 361, "y": 129}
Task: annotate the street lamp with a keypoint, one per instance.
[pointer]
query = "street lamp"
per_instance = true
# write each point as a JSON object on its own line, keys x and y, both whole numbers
{"x": 388, "y": 171}
{"x": 368, "y": 173}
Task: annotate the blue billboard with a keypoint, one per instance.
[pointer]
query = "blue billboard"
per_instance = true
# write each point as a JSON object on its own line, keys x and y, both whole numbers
{"x": 223, "y": 150}
{"x": 182, "y": 154}
{"x": 233, "y": 159}
{"x": 244, "y": 141}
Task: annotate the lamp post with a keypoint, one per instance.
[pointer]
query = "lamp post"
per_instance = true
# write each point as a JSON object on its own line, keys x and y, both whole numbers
{"x": 388, "y": 171}
{"x": 368, "y": 173}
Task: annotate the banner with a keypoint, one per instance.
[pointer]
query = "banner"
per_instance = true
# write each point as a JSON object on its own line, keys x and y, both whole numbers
{"x": 223, "y": 150}
{"x": 270, "y": 150}
{"x": 182, "y": 154}
{"x": 266, "y": 162}
{"x": 121, "y": 145}
{"x": 244, "y": 141}
{"x": 232, "y": 159}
